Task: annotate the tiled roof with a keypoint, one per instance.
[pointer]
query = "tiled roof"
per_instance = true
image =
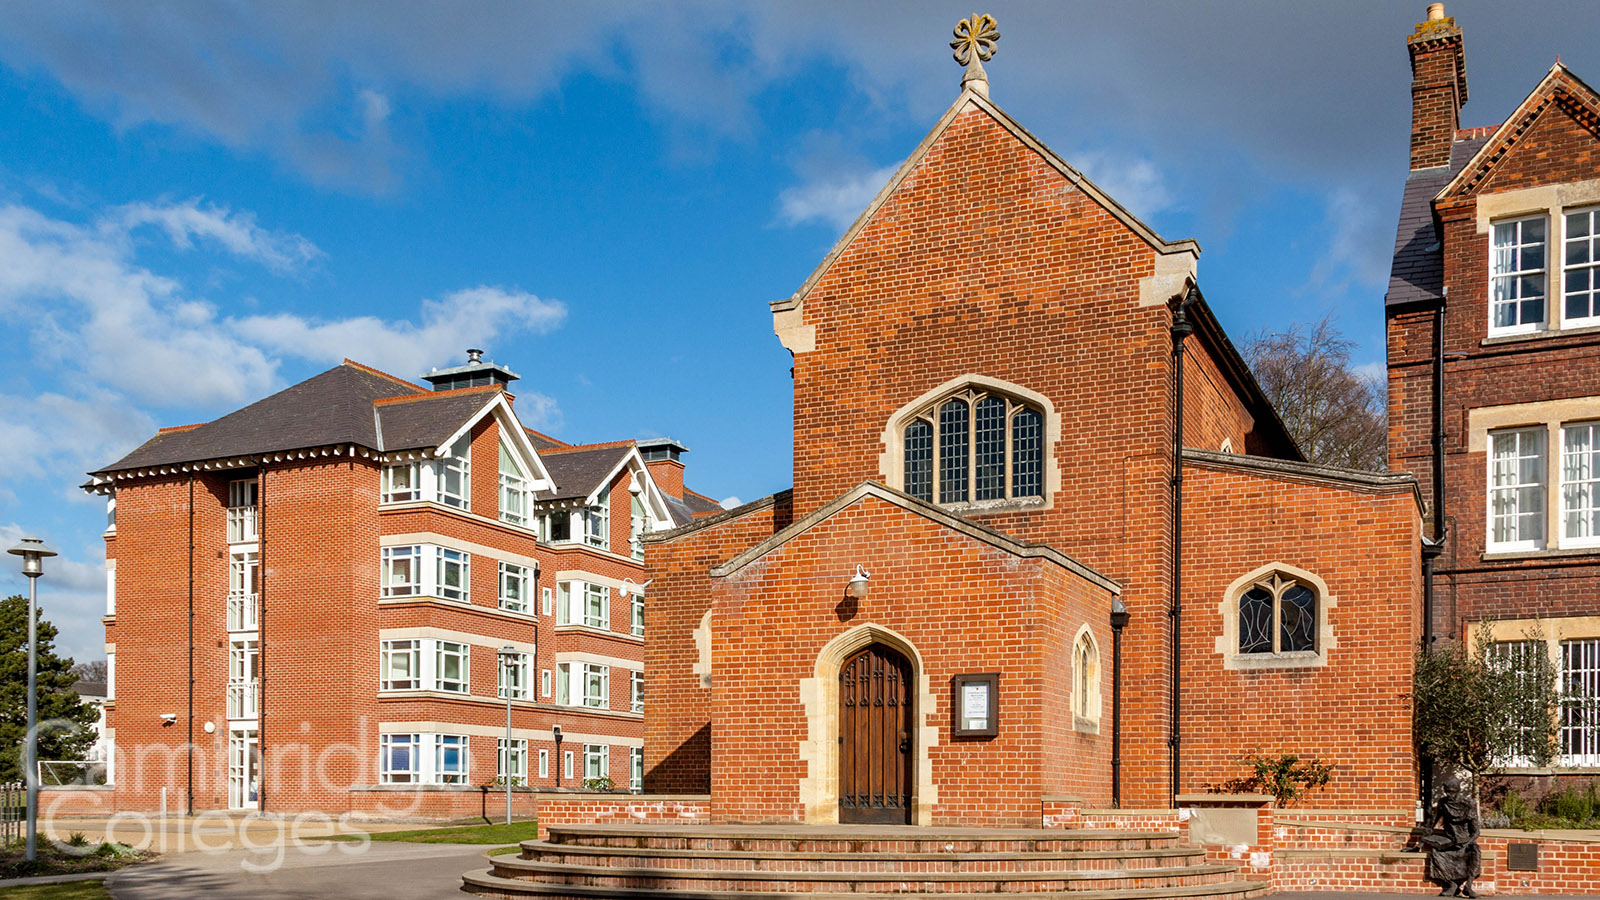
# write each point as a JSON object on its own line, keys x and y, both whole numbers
{"x": 577, "y": 472}
{"x": 543, "y": 442}
{"x": 429, "y": 419}
{"x": 1417, "y": 273}
{"x": 334, "y": 407}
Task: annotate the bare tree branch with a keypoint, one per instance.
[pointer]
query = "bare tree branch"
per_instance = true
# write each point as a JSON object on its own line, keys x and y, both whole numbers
{"x": 1334, "y": 413}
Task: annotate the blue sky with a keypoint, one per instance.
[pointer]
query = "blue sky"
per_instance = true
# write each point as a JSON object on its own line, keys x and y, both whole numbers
{"x": 203, "y": 203}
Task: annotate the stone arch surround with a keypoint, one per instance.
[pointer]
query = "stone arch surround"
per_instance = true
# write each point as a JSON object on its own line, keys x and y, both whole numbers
{"x": 819, "y": 695}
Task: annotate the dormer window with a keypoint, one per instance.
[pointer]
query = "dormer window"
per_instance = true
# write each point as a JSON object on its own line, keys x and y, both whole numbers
{"x": 974, "y": 446}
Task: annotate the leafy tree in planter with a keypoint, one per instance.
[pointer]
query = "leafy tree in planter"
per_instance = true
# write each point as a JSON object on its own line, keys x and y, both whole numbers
{"x": 1476, "y": 712}
{"x": 57, "y": 699}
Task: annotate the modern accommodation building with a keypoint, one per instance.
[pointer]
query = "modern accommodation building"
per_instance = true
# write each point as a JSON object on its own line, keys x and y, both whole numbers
{"x": 324, "y": 600}
{"x": 1494, "y": 366}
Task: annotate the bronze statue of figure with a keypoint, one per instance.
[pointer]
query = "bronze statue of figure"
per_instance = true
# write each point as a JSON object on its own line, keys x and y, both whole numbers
{"x": 1453, "y": 856}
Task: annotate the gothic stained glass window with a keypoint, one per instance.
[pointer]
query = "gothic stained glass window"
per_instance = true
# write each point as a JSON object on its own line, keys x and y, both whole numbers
{"x": 1297, "y": 619}
{"x": 919, "y": 459}
{"x": 1255, "y": 621}
{"x": 953, "y": 463}
{"x": 989, "y": 449}
{"x": 1027, "y": 454}
{"x": 1278, "y": 615}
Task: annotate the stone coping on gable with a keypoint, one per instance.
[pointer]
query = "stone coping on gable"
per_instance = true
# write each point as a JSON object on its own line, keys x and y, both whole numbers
{"x": 715, "y": 518}
{"x": 907, "y": 502}
{"x": 1334, "y": 476}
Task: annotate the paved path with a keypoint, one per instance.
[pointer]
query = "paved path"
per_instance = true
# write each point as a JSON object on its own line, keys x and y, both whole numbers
{"x": 386, "y": 871}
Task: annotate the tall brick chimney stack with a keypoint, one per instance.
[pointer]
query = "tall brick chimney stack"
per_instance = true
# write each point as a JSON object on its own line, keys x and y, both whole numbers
{"x": 1438, "y": 87}
{"x": 661, "y": 457}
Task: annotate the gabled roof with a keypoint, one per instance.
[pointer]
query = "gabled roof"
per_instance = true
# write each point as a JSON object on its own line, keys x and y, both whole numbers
{"x": 1559, "y": 87}
{"x": 1009, "y": 544}
{"x": 1417, "y": 273}
{"x": 427, "y": 420}
{"x": 335, "y": 407}
{"x": 972, "y": 99}
{"x": 580, "y": 471}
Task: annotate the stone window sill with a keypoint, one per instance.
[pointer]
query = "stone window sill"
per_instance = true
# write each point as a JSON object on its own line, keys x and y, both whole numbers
{"x": 1546, "y": 334}
{"x": 1304, "y": 659}
{"x": 1555, "y": 553}
{"x": 985, "y": 507}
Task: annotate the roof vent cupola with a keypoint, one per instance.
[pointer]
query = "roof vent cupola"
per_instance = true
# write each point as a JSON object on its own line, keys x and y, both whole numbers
{"x": 476, "y": 373}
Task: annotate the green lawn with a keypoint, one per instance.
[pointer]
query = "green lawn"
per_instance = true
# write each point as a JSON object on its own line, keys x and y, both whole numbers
{"x": 460, "y": 834}
{"x": 75, "y": 890}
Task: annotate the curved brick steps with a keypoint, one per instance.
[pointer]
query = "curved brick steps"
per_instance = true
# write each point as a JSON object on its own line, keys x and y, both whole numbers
{"x": 488, "y": 885}
{"x": 856, "y": 862}
{"x": 755, "y": 860}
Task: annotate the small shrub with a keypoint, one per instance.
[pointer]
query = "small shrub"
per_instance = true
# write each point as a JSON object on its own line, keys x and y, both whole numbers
{"x": 77, "y": 839}
{"x": 1514, "y": 807}
{"x": 1578, "y": 804}
{"x": 1287, "y": 777}
{"x": 601, "y": 784}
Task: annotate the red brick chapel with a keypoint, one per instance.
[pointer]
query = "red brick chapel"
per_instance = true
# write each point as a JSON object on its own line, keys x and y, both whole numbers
{"x": 1047, "y": 540}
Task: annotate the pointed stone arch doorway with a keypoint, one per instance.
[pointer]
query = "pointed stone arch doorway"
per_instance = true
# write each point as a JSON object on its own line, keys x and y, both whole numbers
{"x": 876, "y": 729}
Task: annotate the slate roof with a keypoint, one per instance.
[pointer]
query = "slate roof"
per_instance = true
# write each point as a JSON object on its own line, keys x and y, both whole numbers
{"x": 577, "y": 472}
{"x": 334, "y": 407}
{"x": 429, "y": 420}
{"x": 543, "y": 442}
{"x": 1417, "y": 273}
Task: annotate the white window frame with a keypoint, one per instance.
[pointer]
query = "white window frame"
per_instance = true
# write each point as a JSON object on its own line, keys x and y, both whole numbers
{"x": 244, "y": 495}
{"x": 636, "y": 690}
{"x": 391, "y": 491}
{"x": 565, "y": 591}
{"x": 387, "y": 744}
{"x": 596, "y": 761}
{"x": 519, "y": 761}
{"x": 392, "y": 652}
{"x": 1586, "y": 487}
{"x": 597, "y": 523}
{"x": 595, "y": 686}
{"x": 636, "y": 614}
{"x": 638, "y": 524}
{"x": 547, "y": 598}
{"x": 514, "y": 495}
{"x": 389, "y": 557}
{"x": 518, "y": 667}
{"x": 596, "y": 597}
{"x": 244, "y": 572}
{"x": 442, "y": 745}
{"x": 1593, "y": 265}
{"x": 463, "y": 652}
{"x": 456, "y": 461}
{"x": 566, "y": 764}
{"x": 1521, "y": 541}
{"x": 636, "y": 768}
{"x": 460, "y": 560}
{"x": 514, "y": 579}
{"x": 564, "y": 684}
{"x": 1516, "y": 276}
{"x": 244, "y": 679}
{"x": 544, "y": 683}
{"x": 544, "y": 763}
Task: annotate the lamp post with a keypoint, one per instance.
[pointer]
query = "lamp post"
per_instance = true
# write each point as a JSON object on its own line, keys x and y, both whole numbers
{"x": 508, "y": 658}
{"x": 555, "y": 731}
{"x": 33, "y": 551}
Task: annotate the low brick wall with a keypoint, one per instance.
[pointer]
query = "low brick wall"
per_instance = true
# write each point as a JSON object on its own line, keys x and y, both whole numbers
{"x": 622, "y": 809}
{"x": 76, "y": 801}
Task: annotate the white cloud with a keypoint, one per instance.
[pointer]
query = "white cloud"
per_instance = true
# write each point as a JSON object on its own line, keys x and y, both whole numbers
{"x": 1358, "y": 244}
{"x": 52, "y": 435}
{"x": 71, "y": 592}
{"x": 1133, "y": 181}
{"x": 833, "y": 197}
{"x": 464, "y": 318}
{"x": 237, "y": 233}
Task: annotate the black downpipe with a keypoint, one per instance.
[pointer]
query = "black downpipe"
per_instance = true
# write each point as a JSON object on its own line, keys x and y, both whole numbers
{"x": 188, "y": 807}
{"x": 1181, "y": 329}
{"x": 1431, "y": 551}
{"x": 261, "y": 638}
{"x": 1119, "y": 621}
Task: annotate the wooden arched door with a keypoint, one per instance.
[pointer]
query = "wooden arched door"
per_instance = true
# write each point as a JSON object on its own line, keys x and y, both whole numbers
{"x": 875, "y": 728}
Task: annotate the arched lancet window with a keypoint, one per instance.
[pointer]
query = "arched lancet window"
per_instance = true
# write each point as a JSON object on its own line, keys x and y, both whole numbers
{"x": 1278, "y": 614}
{"x": 1085, "y": 678}
{"x": 974, "y": 446}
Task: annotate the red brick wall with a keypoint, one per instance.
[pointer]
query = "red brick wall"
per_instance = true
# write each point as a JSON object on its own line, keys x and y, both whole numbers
{"x": 1555, "y": 149}
{"x": 1000, "y": 614}
{"x": 1235, "y": 522}
{"x": 678, "y": 734}
{"x": 1212, "y": 411}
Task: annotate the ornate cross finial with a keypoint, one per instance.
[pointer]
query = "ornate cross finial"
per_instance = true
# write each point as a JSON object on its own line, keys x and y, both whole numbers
{"x": 973, "y": 46}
